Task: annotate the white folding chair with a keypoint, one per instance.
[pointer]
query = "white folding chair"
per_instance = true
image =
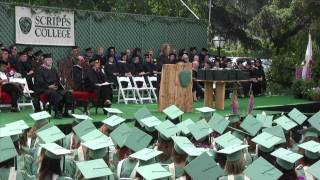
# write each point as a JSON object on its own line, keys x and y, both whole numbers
{"x": 151, "y": 80}
{"x": 124, "y": 92}
{"x": 143, "y": 91}
{"x": 26, "y": 100}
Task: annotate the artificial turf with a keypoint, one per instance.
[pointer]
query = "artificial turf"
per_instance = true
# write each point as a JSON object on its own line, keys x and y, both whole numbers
{"x": 6, "y": 116}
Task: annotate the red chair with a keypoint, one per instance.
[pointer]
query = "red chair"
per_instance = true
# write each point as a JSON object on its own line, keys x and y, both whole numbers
{"x": 44, "y": 99}
{"x": 85, "y": 98}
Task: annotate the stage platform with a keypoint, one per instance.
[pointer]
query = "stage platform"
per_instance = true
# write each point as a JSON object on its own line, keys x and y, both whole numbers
{"x": 270, "y": 103}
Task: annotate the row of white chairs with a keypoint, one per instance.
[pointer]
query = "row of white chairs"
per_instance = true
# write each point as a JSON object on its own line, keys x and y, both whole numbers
{"x": 139, "y": 90}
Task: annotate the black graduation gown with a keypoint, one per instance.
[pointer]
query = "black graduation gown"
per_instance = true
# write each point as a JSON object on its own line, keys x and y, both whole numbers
{"x": 78, "y": 78}
{"x": 97, "y": 77}
{"x": 109, "y": 70}
{"x": 163, "y": 59}
{"x": 149, "y": 67}
{"x": 137, "y": 68}
{"x": 123, "y": 68}
{"x": 23, "y": 68}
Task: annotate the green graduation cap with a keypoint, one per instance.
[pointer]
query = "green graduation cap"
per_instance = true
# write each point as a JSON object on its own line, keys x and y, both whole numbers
{"x": 120, "y": 134}
{"x": 200, "y": 129}
{"x": 83, "y": 128}
{"x": 286, "y": 158}
{"x": 309, "y": 132}
{"x": 167, "y": 129}
{"x": 285, "y": 123}
{"x": 153, "y": 171}
{"x": 94, "y": 134}
{"x": 267, "y": 141}
{"x": 297, "y": 116}
{"x": 54, "y": 151}
{"x": 146, "y": 154}
{"x": 113, "y": 111}
{"x": 94, "y": 169}
{"x": 50, "y": 135}
{"x": 9, "y": 131}
{"x": 150, "y": 123}
{"x": 239, "y": 133}
{"x": 137, "y": 139}
{"x": 181, "y": 144}
{"x": 233, "y": 118}
{"x": 205, "y": 110}
{"x": 81, "y": 117}
{"x": 40, "y": 116}
{"x": 21, "y": 124}
{"x": 203, "y": 167}
{"x": 261, "y": 169}
{"x": 173, "y": 112}
{"x": 311, "y": 149}
{"x": 233, "y": 152}
{"x": 314, "y": 170}
{"x": 98, "y": 147}
{"x": 266, "y": 120}
{"x": 314, "y": 121}
{"x": 7, "y": 149}
{"x": 218, "y": 123}
{"x": 141, "y": 114}
{"x": 113, "y": 121}
{"x": 251, "y": 125}
{"x": 183, "y": 126}
{"x": 277, "y": 131}
{"x": 227, "y": 139}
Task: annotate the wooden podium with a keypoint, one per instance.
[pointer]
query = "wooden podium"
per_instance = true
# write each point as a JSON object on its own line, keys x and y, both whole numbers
{"x": 171, "y": 91}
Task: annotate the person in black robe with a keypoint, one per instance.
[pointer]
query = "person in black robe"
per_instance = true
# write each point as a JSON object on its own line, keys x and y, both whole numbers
{"x": 162, "y": 59}
{"x": 96, "y": 76}
{"x": 257, "y": 77}
{"x": 25, "y": 69}
{"x": 101, "y": 56}
{"x": 13, "y": 59}
{"x": 137, "y": 67}
{"x": 47, "y": 82}
{"x": 124, "y": 66}
{"x": 79, "y": 75}
{"x": 148, "y": 66}
{"x": 13, "y": 89}
{"x": 111, "y": 71}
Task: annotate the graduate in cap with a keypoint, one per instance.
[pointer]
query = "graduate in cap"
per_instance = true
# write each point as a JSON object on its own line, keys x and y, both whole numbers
{"x": 48, "y": 82}
{"x": 173, "y": 113}
{"x": 38, "y": 58}
{"x": 8, "y": 166}
{"x": 51, "y": 163}
{"x": 200, "y": 132}
{"x": 135, "y": 141}
{"x": 235, "y": 164}
{"x": 13, "y": 89}
{"x": 25, "y": 69}
{"x": 94, "y": 169}
{"x": 96, "y": 76}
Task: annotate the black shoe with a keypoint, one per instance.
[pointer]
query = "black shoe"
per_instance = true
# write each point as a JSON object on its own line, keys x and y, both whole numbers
{"x": 58, "y": 115}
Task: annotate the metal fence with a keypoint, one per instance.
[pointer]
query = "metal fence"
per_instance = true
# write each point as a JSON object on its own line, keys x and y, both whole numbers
{"x": 103, "y": 29}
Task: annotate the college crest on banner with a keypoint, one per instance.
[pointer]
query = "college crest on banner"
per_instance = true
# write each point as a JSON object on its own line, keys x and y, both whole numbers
{"x": 40, "y": 27}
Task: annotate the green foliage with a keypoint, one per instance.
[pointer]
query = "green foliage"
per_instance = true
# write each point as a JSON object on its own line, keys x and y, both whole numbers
{"x": 301, "y": 88}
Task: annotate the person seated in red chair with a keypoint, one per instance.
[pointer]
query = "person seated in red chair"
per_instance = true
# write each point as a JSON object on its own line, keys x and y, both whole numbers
{"x": 47, "y": 82}
{"x": 13, "y": 89}
{"x": 96, "y": 76}
{"x": 79, "y": 75}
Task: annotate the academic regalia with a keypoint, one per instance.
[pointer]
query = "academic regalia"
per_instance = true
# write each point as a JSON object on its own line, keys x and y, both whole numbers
{"x": 110, "y": 70}
{"x": 127, "y": 168}
{"x": 123, "y": 68}
{"x": 163, "y": 59}
{"x": 96, "y": 76}
{"x": 45, "y": 77}
{"x": 149, "y": 67}
{"x": 102, "y": 59}
{"x": 23, "y": 68}
{"x": 8, "y": 173}
{"x": 64, "y": 71}
{"x": 78, "y": 78}
{"x": 234, "y": 177}
{"x": 137, "y": 68}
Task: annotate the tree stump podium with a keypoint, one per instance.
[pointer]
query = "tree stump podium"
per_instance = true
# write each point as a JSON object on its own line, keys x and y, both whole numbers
{"x": 171, "y": 91}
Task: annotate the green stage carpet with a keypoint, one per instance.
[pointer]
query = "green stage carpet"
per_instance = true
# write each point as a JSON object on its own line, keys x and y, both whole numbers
{"x": 6, "y": 116}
